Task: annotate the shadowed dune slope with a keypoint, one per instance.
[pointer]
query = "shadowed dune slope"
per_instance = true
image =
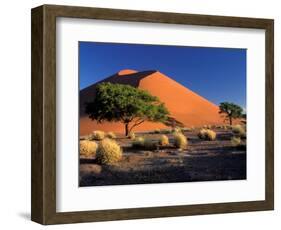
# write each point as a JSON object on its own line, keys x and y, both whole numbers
{"x": 184, "y": 105}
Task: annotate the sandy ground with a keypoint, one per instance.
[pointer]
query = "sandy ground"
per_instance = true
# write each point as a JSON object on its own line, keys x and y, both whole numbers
{"x": 201, "y": 161}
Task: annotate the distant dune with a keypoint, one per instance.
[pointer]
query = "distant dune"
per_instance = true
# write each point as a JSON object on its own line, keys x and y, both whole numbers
{"x": 184, "y": 105}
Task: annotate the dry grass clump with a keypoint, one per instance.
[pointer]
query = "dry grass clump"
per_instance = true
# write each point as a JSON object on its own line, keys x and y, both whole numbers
{"x": 108, "y": 152}
{"x": 207, "y": 126}
{"x": 207, "y": 134}
{"x": 149, "y": 144}
{"x": 138, "y": 142}
{"x": 144, "y": 143}
{"x": 177, "y": 130}
{"x": 186, "y": 129}
{"x": 111, "y": 135}
{"x": 180, "y": 140}
{"x": 166, "y": 131}
{"x": 239, "y": 131}
{"x": 88, "y": 148}
{"x": 156, "y": 131}
{"x": 164, "y": 140}
{"x": 235, "y": 141}
{"x": 98, "y": 135}
{"x": 132, "y": 135}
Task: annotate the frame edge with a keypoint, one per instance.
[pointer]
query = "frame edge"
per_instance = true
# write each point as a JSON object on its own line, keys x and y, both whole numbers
{"x": 43, "y": 209}
{"x": 37, "y": 189}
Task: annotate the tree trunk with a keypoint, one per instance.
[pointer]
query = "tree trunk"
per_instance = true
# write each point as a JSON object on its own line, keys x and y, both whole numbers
{"x": 126, "y": 129}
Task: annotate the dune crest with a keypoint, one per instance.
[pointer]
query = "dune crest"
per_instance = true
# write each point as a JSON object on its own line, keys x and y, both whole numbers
{"x": 126, "y": 72}
{"x": 184, "y": 105}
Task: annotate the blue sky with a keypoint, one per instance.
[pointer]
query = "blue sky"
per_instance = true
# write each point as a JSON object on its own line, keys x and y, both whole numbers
{"x": 218, "y": 74}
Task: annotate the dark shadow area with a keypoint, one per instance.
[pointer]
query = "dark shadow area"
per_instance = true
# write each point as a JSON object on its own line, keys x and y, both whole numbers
{"x": 169, "y": 170}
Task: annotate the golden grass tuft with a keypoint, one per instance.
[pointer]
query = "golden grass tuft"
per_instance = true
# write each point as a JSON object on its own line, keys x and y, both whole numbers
{"x": 149, "y": 144}
{"x": 239, "y": 130}
{"x": 88, "y": 148}
{"x": 164, "y": 140}
{"x": 177, "y": 130}
{"x": 138, "y": 142}
{"x": 156, "y": 131}
{"x": 108, "y": 152}
{"x": 132, "y": 135}
{"x": 111, "y": 135}
{"x": 235, "y": 141}
{"x": 207, "y": 134}
{"x": 98, "y": 135}
{"x": 180, "y": 140}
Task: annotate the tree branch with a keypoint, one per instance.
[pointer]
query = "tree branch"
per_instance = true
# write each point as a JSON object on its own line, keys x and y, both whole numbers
{"x": 136, "y": 124}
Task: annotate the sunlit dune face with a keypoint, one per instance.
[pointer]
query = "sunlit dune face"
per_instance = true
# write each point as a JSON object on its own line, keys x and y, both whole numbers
{"x": 126, "y": 72}
{"x": 184, "y": 105}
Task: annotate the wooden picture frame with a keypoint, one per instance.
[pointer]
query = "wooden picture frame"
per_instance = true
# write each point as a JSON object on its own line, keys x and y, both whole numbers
{"x": 43, "y": 208}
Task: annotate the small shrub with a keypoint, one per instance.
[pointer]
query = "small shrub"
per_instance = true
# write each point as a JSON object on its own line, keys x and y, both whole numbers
{"x": 108, "y": 152}
{"x": 202, "y": 133}
{"x": 243, "y": 135}
{"x": 211, "y": 135}
{"x": 177, "y": 130}
{"x": 207, "y": 134}
{"x": 235, "y": 141}
{"x": 149, "y": 144}
{"x": 132, "y": 135}
{"x": 164, "y": 140}
{"x": 239, "y": 131}
{"x": 138, "y": 142}
{"x": 97, "y": 135}
{"x": 186, "y": 129}
{"x": 166, "y": 131}
{"x": 111, "y": 135}
{"x": 88, "y": 148}
{"x": 156, "y": 131}
{"x": 180, "y": 140}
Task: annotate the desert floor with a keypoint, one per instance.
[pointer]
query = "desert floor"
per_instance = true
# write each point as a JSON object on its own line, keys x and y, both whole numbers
{"x": 201, "y": 161}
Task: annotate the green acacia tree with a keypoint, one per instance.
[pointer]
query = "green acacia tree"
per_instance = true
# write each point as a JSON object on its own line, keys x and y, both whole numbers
{"x": 231, "y": 111}
{"x": 126, "y": 104}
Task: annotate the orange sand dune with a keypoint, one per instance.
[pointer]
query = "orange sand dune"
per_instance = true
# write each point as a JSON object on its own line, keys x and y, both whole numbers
{"x": 184, "y": 105}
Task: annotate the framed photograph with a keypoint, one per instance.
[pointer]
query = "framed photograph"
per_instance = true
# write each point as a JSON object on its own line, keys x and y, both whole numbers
{"x": 140, "y": 114}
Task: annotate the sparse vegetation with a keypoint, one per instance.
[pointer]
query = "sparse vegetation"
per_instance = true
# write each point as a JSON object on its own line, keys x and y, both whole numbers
{"x": 97, "y": 135}
{"x": 166, "y": 131}
{"x": 153, "y": 158}
{"x": 177, "y": 130}
{"x": 108, "y": 152}
{"x": 235, "y": 141}
{"x": 180, "y": 140}
{"x": 164, "y": 140}
{"x": 132, "y": 135}
{"x": 186, "y": 129}
{"x": 231, "y": 111}
{"x": 88, "y": 148}
{"x": 126, "y": 104}
{"x": 111, "y": 135}
{"x": 138, "y": 142}
{"x": 149, "y": 144}
{"x": 157, "y": 131}
{"x": 207, "y": 134}
{"x": 239, "y": 131}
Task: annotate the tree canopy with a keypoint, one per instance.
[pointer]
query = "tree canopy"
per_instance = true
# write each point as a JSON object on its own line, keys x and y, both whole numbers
{"x": 231, "y": 111}
{"x": 124, "y": 103}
